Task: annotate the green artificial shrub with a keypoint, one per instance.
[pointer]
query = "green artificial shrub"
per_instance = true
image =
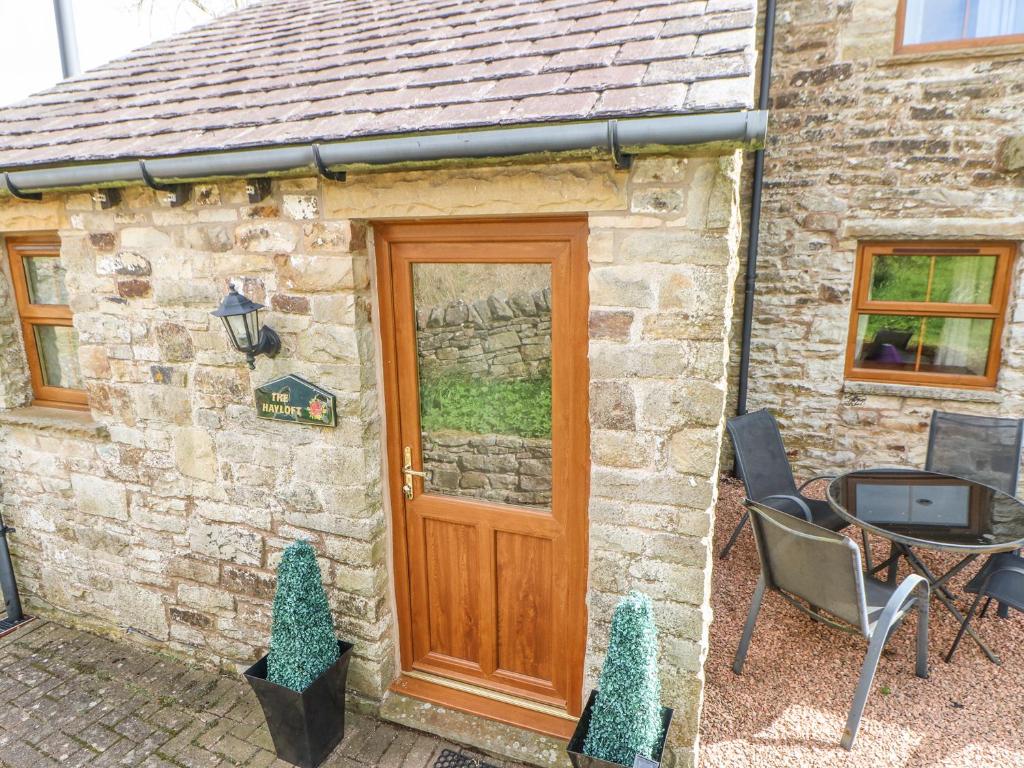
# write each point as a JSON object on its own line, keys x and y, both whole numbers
{"x": 302, "y": 641}
{"x": 626, "y": 718}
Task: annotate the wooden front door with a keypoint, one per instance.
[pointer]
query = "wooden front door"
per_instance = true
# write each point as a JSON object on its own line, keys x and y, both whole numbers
{"x": 484, "y": 330}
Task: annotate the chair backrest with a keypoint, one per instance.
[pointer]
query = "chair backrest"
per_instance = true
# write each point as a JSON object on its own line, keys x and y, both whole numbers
{"x": 810, "y": 562}
{"x": 982, "y": 448}
{"x": 760, "y": 455}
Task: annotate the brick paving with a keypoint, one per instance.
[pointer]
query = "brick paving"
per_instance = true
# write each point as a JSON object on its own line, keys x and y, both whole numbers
{"x": 70, "y": 698}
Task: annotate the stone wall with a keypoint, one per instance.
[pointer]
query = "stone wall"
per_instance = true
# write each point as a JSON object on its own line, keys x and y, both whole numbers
{"x": 163, "y": 512}
{"x": 661, "y": 295}
{"x": 865, "y": 145}
{"x": 502, "y": 468}
{"x": 499, "y": 336}
{"x": 165, "y": 515}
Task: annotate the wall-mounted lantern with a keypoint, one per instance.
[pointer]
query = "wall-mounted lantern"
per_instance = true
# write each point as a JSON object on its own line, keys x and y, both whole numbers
{"x": 241, "y": 317}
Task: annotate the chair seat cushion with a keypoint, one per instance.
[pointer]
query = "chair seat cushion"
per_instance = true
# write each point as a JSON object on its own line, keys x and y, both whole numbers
{"x": 820, "y": 511}
{"x": 1006, "y": 587}
{"x": 824, "y": 515}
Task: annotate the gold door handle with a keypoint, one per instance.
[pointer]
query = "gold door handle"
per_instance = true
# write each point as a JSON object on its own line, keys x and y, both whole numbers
{"x": 409, "y": 472}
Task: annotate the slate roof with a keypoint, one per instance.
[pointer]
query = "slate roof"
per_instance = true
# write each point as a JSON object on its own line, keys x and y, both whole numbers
{"x": 288, "y": 71}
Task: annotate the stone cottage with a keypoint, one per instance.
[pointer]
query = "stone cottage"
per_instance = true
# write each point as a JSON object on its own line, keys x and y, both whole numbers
{"x": 895, "y": 153}
{"x": 496, "y": 244}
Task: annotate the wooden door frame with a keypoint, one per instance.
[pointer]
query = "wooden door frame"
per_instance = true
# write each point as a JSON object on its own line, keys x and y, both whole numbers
{"x": 574, "y": 230}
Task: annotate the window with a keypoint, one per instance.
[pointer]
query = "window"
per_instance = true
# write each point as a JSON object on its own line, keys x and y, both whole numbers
{"x": 929, "y": 313}
{"x": 51, "y": 343}
{"x": 932, "y": 25}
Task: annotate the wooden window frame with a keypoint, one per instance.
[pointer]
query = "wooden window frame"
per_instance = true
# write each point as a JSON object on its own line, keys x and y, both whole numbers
{"x": 40, "y": 315}
{"x": 961, "y": 43}
{"x": 994, "y": 310}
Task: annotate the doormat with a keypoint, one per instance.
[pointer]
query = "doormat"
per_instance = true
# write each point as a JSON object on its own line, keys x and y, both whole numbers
{"x": 7, "y": 626}
{"x": 449, "y": 759}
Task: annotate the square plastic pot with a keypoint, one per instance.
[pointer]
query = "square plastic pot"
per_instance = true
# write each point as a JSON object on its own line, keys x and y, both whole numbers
{"x": 305, "y": 726}
{"x": 575, "y": 748}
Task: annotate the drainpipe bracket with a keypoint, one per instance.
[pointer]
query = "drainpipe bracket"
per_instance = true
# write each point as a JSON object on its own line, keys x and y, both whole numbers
{"x": 107, "y": 198}
{"x": 16, "y": 192}
{"x": 621, "y": 160}
{"x": 257, "y": 189}
{"x": 322, "y": 168}
{"x": 177, "y": 194}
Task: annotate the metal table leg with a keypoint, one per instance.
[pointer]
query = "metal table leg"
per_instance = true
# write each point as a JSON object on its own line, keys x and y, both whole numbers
{"x": 921, "y": 568}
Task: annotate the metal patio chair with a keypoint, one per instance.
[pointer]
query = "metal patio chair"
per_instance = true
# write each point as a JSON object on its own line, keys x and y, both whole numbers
{"x": 1001, "y": 579}
{"x": 986, "y": 449}
{"x": 803, "y": 561}
{"x": 767, "y": 476}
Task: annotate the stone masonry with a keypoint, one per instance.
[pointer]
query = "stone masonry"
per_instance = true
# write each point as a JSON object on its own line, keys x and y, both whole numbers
{"x": 160, "y": 514}
{"x": 503, "y": 468}
{"x": 501, "y": 336}
{"x": 867, "y": 145}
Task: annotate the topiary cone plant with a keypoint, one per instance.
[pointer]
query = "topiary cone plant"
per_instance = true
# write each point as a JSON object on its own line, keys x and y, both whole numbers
{"x": 300, "y": 683}
{"x": 624, "y": 718}
{"x": 302, "y": 641}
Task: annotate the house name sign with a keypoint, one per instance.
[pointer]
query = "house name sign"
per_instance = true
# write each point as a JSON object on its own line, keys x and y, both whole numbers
{"x": 293, "y": 399}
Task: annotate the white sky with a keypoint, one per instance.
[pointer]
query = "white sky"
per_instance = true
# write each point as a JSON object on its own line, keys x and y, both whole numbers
{"x": 106, "y": 29}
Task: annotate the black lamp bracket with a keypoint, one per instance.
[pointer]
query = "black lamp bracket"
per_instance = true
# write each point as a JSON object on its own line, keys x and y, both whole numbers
{"x": 16, "y": 192}
{"x": 322, "y": 168}
{"x": 269, "y": 344}
{"x": 621, "y": 160}
{"x": 177, "y": 193}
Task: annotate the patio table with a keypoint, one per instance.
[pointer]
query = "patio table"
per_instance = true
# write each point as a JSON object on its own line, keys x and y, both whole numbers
{"x": 915, "y": 509}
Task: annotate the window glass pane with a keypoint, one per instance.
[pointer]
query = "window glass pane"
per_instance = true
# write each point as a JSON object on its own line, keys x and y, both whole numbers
{"x": 963, "y": 279}
{"x": 58, "y": 356}
{"x": 45, "y": 278}
{"x": 951, "y": 345}
{"x": 483, "y": 339}
{"x": 956, "y": 279}
{"x": 957, "y": 345}
{"x": 994, "y": 18}
{"x": 899, "y": 278}
{"x": 932, "y": 21}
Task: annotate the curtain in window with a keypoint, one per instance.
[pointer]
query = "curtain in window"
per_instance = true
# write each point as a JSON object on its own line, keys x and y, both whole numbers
{"x": 991, "y": 18}
{"x": 958, "y": 345}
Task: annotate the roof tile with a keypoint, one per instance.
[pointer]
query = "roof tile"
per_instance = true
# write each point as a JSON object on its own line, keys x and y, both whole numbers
{"x": 306, "y": 70}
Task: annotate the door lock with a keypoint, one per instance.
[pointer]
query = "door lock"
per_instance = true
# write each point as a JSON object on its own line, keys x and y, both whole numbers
{"x": 409, "y": 472}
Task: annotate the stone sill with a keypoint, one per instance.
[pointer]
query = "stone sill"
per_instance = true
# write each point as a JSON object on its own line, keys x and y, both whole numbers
{"x": 60, "y": 420}
{"x": 951, "y": 54}
{"x": 921, "y": 393}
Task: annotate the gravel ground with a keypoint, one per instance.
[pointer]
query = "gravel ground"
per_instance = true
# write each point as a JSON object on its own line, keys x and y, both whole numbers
{"x": 789, "y": 706}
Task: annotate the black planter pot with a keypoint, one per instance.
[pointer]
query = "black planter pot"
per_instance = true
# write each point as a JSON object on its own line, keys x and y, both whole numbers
{"x": 305, "y": 726}
{"x": 575, "y": 748}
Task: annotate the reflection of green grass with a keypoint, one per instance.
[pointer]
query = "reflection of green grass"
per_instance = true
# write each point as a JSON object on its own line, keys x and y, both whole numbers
{"x": 960, "y": 279}
{"x": 487, "y": 406}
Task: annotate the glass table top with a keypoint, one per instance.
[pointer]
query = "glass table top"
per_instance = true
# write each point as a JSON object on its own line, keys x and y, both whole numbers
{"x": 929, "y": 509}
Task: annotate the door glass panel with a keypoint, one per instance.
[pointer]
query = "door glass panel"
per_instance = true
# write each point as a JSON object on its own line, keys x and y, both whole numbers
{"x": 483, "y": 343}
{"x": 45, "y": 278}
{"x": 58, "y": 356}
{"x": 951, "y": 345}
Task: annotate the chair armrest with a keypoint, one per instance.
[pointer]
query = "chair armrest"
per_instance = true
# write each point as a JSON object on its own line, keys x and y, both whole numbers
{"x": 903, "y": 592}
{"x": 806, "y": 510}
{"x": 814, "y": 479}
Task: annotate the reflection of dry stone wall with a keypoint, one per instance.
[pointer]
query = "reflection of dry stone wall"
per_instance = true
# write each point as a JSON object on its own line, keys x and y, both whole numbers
{"x": 503, "y": 468}
{"x": 503, "y": 336}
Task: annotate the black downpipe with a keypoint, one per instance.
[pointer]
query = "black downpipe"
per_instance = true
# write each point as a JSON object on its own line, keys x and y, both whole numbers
{"x": 755, "y": 213}
{"x": 8, "y": 585}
